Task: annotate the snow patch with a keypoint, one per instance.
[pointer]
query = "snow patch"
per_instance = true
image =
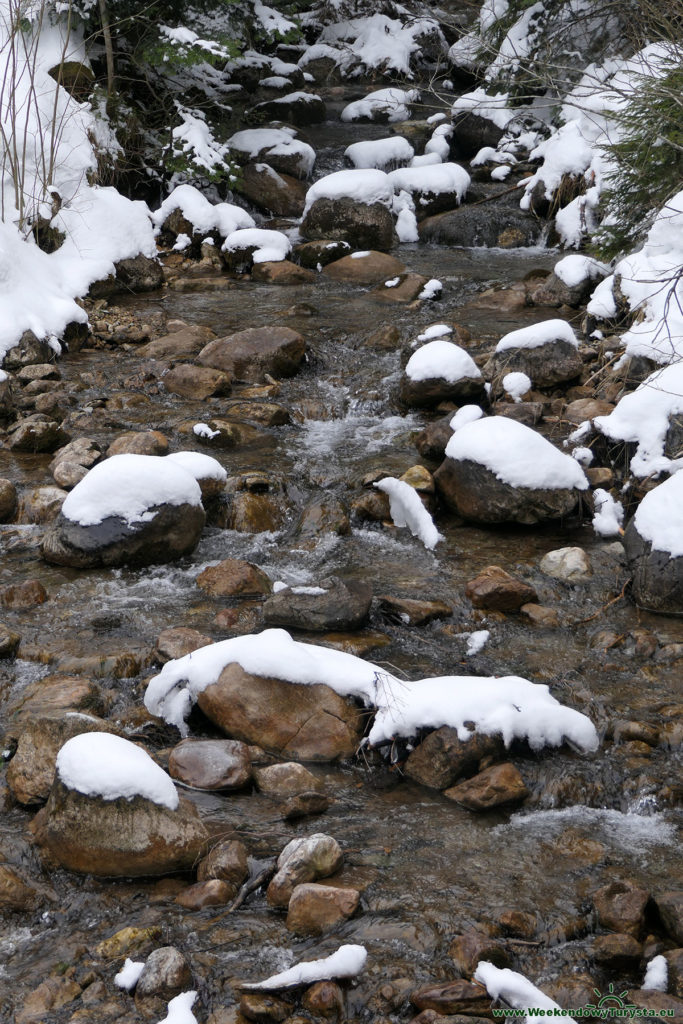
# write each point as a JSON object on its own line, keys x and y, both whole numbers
{"x": 100, "y": 764}
{"x": 407, "y": 510}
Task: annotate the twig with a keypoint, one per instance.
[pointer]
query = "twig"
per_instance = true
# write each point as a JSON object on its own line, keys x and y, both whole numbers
{"x": 622, "y": 593}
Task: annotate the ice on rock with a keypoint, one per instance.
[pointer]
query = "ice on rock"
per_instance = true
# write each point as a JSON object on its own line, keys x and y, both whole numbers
{"x": 347, "y": 962}
{"x": 538, "y": 334}
{"x": 514, "y": 990}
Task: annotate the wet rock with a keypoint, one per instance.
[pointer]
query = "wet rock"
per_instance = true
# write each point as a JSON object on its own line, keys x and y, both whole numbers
{"x": 166, "y": 974}
{"x": 431, "y": 442}
{"x": 656, "y": 1002}
{"x": 276, "y": 192}
{"x": 540, "y": 615}
{"x": 117, "y": 838}
{"x": 51, "y": 995}
{"x": 518, "y": 924}
{"x": 255, "y": 513}
{"x": 500, "y": 300}
{"x": 301, "y": 805}
{"x": 452, "y": 997}
{"x": 211, "y": 764}
{"x": 6, "y": 401}
{"x": 31, "y": 771}
{"x": 15, "y": 894}
{"x": 8, "y": 500}
{"x": 657, "y": 584}
{"x": 471, "y": 132}
{"x": 9, "y": 641}
{"x": 42, "y": 505}
{"x": 546, "y": 365}
{"x": 324, "y": 999}
{"x": 567, "y": 564}
{"x": 372, "y": 506}
{"x": 317, "y": 909}
{"x": 494, "y": 787}
{"x": 211, "y": 893}
{"x": 139, "y": 442}
{"x": 235, "y": 578}
{"x": 23, "y": 596}
{"x": 483, "y": 226}
{"x": 412, "y": 612}
{"x": 497, "y": 590}
{"x": 286, "y": 779}
{"x": 617, "y": 951}
{"x": 362, "y": 226}
{"x": 620, "y": 906}
{"x": 56, "y": 694}
{"x": 263, "y": 1007}
{"x": 468, "y": 949}
{"x": 282, "y": 272}
{"x": 364, "y": 268}
{"x": 326, "y": 516}
{"x": 429, "y": 392}
{"x": 228, "y": 862}
{"x": 196, "y": 382}
{"x": 252, "y": 354}
{"x": 38, "y": 371}
{"x": 126, "y": 942}
{"x": 177, "y": 642}
{"x": 71, "y": 463}
{"x": 27, "y": 351}
{"x": 442, "y": 757}
{"x": 528, "y": 413}
{"x": 309, "y": 723}
{"x": 623, "y": 732}
{"x": 301, "y": 861}
{"x": 298, "y": 108}
{"x": 180, "y": 344}
{"x": 320, "y": 252}
{"x": 407, "y": 288}
{"x": 37, "y": 433}
{"x": 674, "y": 963}
{"x": 670, "y": 907}
{"x": 334, "y": 605}
{"x": 586, "y": 409}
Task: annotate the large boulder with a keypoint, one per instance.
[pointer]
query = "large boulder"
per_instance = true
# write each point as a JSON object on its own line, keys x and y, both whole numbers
{"x": 547, "y": 353}
{"x": 474, "y": 131}
{"x": 654, "y": 548}
{"x": 211, "y": 764}
{"x": 497, "y": 470}
{"x": 128, "y": 510}
{"x": 441, "y": 371}
{"x": 433, "y": 188}
{"x": 362, "y": 225}
{"x": 255, "y": 352}
{"x": 494, "y": 225}
{"x": 273, "y": 191}
{"x": 299, "y": 108}
{"x": 293, "y": 720}
{"x": 334, "y": 605}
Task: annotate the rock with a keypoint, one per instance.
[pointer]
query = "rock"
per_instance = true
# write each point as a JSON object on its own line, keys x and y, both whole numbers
{"x": 8, "y": 500}
{"x": 670, "y": 907}
{"x": 282, "y": 272}
{"x": 235, "y": 578}
{"x": 518, "y": 924}
{"x": 279, "y": 194}
{"x": 71, "y": 463}
{"x": 286, "y": 779}
{"x": 255, "y": 513}
{"x": 15, "y": 894}
{"x": 27, "y": 351}
{"x": 674, "y": 963}
{"x": 586, "y": 409}
{"x": 267, "y": 414}
{"x": 464, "y": 386}
{"x": 320, "y": 253}
{"x": 552, "y": 291}
{"x": 255, "y": 352}
{"x": 301, "y": 805}
{"x": 317, "y": 909}
{"x": 528, "y": 413}
{"x": 452, "y": 997}
{"x": 442, "y": 758}
{"x": 364, "y": 268}
{"x": 211, "y": 764}
{"x": 211, "y": 893}
{"x": 497, "y": 590}
{"x": 9, "y": 641}
{"x": 142, "y": 442}
{"x": 489, "y": 225}
{"x": 309, "y": 723}
{"x": 555, "y": 362}
{"x": 567, "y": 564}
{"x": 51, "y": 994}
{"x": 36, "y": 434}
{"x": 31, "y": 771}
{"x": 24, "y": 595}
{"x": 126, "y": 942}
{"x": 139, "y": 274}
{"x": 334, "y": 605}
{"x": 326, "y": 516}
{"x": 471, "y": 132}
{"x": 55, "y": 694}
{"x": 42, "y": 505}
{"x": 620, "y": 907}
{"x": 494, "y": 787}
{"x": 468, "y": 949}
{"x": 38, "y": 371}
{"x": 656, "y": 1002}
{"x": 6, "y": 401}
{"x": 540, "y": 615}
{"x": 177, "y": 642}
{"x": 431, "y": 442}
{"x": 657, "y": 575}
{"x": 298, "y": 108}
{"x": 117, "y": 838}
{"x": 196, "y": 382}
{"x": 301, "y": 861}
{"x": 412, "y": 612}
{"x": 324, "y": 999}
{"x": 180, "y": 344}
{"x": 166, "y": 974}
{"x": 228, "y": 862}
{"x": 263, "y": 1007}
{"x": 617, "y": 951}
{"x": 407, "y": 288}
{"x": 362, "y": 226}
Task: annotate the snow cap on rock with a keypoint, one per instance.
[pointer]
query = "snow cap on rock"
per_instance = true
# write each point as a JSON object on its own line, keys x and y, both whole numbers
{"x": 103, "y": 765}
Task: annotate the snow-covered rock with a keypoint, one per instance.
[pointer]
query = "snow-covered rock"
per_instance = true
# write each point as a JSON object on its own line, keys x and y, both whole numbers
{"x": 407, "y": 510}
{"x": 381, "y": 154}
{"x": 573, "y": 279}
{"x": 654, "y": 548}
{"x": 278, "y": 147}
{"x": 187, "y": 212}
{"x": 433, "y": 188}
{"x": 383, "y": 105}
{"x": 247, "y": 246}
{"x": 441, "y": 371}
{"x": 100, "y": 764}
{"x": 299, "y": 108}
{"x": 351, "y": 206}
{"x": 546, "y": 352}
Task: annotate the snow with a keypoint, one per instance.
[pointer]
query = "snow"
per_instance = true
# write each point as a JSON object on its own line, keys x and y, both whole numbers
{"x": 347, "y": 962}
{"x": 392, "y": 282}
{"x": 536, "y": 335}
{"x": 202, "y": 467}
{"x": 491, "y": 12}
{"x": 437, "y": 179}
{"x": 193, "y": 140}
{"x": 432, "y": 289}
{"x": 443, "y": 360}
{"x": 516, "y": 385}
{"x": 656, "y": 975}
{"x": 659, "y": 517}
{"x": 435, "y": 331}
{"x": 489, "y": 155}
{"x": 476, "y": 642}
{"x": 500, "y": 173}
{"x": 296, "y": 97}
{"x": 575, "y": 269}
{"x": 407, "y": 510}
{"x": 260, "y": 143}
{"x": 425, "y": 160}
{"x": 516, "y": 454}
{"x": 180, "y": 1009}
{"x": 511, "y": 707}
{"x": 440, "y": 144}
{"x": 378, "y": 42}
{"x": 643, "y": 417}
{"x": 380, "y": 153}
{"x": 103, "y": 765}
{"x": 406, "y": 221}
{"x": 583, "y": 455}
{"x": 269, "y": 246}
{"x": 516, "y": 45}
{"x": 609, "y": 514}
{"x": 366, "y": 186}
{"x": 128, "y": 486}
{"x": 515, "y": 990}
{"x": 204, "y": 430}
{"x": 492, "y": 106}
{"x": 274, "y": 23}
{"x": 205, "y": 217}
{"x": 275, "y": 82}
{"x": 129, "y": 975}
{"x": 466, "y": 414}
{"x": 392, "y": 103}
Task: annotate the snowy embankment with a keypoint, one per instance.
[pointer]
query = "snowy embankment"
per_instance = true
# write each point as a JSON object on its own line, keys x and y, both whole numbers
{"x": 511, "y": 707}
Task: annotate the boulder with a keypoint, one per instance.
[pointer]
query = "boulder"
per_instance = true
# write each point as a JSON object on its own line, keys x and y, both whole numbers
{"x": 316, "y": 909}
{"x": 324, "y": 999}
{"x": 178, "y": 641}
{"x": 166, "y": 974}
{"x": 282, "y": 272}
{"x": 28, "y": 350}
{"x": 275, "y": 192}
{"x": 8, "y": 500}
{"x": 333, "y": 605}
{"x": 621, "y": 906}
{"x": 186, "y": 341}
{"x": 210, "y": 764}
{"x": 255, "y": 352}
{"x": 234, "y": 578}
{"x": 303, "y": 860}
{"x": 286, "y": 779}
{"x": 139, "y": 442}
{"x": 308, "y": 723}
{"x": 320, "y": 253}
{"x": 468, "y": 949}
{"x": 196, "y": 382}
{"x": 497, "y": 590}
{"x": 137, "y": 274}
{"x": 670, "y": 907}
{"x": 490, "y": 225}
{"x": 617, "y": 952}
{"x": 71, "y": 463}
{"x": 566, "y": 564}
{"x": 654, "y": 556}
{"x": 227, "y": 861}
{"x": 211, "y": 893}
{"x": 364, "y": 268}
{"x": 37, "y": 433}
{"x": 411, "y": 612}
{"x": 53, "y": 696}
{"x": 363, "y": 226}
{"x": 452, "y": 997}
{"x": 441, "y": 372}
{"x": 494, "y": 787}
{"x": 546, "y": 365}
{"x": 442, "y": 758}
{"x": 406, "y": 288}
{"x": 472, "y": 132}
{"x": 41, "y": 505}
{"x": 298, "y": 108}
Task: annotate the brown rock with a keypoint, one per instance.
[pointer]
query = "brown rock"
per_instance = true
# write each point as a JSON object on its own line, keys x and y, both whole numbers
{"x": 324, "y": 999}
{"x": 282, "y": 272}
{"x": 263, "y": 1007}
{"x": 141, "y": 442}
{"x": 335, "y": 604}
{"x": 301, "y": 861}
{"x": 442, "y": 758}
{"x": 8, "y": 500}
{"x": 37, "y": 433}
{"x": 494, "y": 787}
{"x": 468, "y": 949}
{"x": 586, "y": 409}
{"x": 497, "y": 590}
{"x": 617, "y": 951}
{"x": 408, "y": 288}
{"x": 517, "y": 923}
{"x": 326, "y": 516}
{"x": 226, "y": 861}
{"x": 322, "y": 251}
{"x": 364, "y": 268}
{"x": 277, "y": 193}
{"x": 255, "y": 352}
{"x": 309, "y": 723}
{"x": 301, "y": 805}
{"x": 211, "y": 764}
{"x": 196, "y": 382}
{"x": 656, "y": 1001}
{"x": 177, "y": 642}
{"x": 41, "y": 505}
{"x": 212, "y": 893}
{"x": 9, "y": 641}
{"x": 452, "y": 997}
{"x": 187, "y": 341}
{"x": 126, "y": 942}
{"x": 286, "y": 779}
{"x": 363, "y": 226}
{"x": 51, "y": 994}
{"x": 674, "y": 962}
{"x": 23, "y": 595}
{"x": 15, "y": 894}
{"x": 411, "y": 612}
{"x": 670, "y": 907}
{"x": 54, "y": 695}
{"x": 234, "y": 578}
{"x": 317, "y": 909}
{"x": 621, "y": 907}
{"x": 540, "y": 615}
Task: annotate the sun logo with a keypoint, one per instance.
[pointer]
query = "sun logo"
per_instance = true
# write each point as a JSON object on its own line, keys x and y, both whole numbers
{"x": 611, "y": 1003}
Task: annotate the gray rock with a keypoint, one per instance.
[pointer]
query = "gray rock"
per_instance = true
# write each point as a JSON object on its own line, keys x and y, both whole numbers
{"x": 657, "y": 576}
{"x": 342, "y": 605}
{"x": 298, "y": 108}
{"x": 363, "y": 226}
{"x": 490, "y": 225}
{"x": 255, "y": 352}
{"x": 211, "y": 764}
{"x": 546, "y": 365}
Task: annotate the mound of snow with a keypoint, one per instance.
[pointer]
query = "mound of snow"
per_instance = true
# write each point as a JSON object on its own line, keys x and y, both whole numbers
{"x": 363, "y": 186}
{"x": 643, "y": 417}
{"x": 466, "y": 414}
{"x": 516, "y": 454}
{"x": 100, "y": 764}
{"x": 180, "y": 1008}
{"x": 516, "y": 385}
{"x": 659, "y": 517}
{"x": 443, "y": 360}
{"x": 129, "y": 486}
{"x": 437, "y": 179}
{"x": 407, "y": 510}
{"x": 260, "y": 143}
{"x": 381, "y": 42}
{"x": 202, "y": 467}
{"x": 380, "y": 153}
{"x": 609, "y": 514}
{"x": 129, "y": 975}
{"x": 515, "y": 990}
{"x": 391, "y": 103}
{"x": 269, "y": 246}
{"x": 657, "y": 974}
{"x": 575, "y": 269}
{"x": 205, "y": 217}
{"x": 347, "y": 962}
{"x": 538, "y": 334}
{"x": 492, "y": 106}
